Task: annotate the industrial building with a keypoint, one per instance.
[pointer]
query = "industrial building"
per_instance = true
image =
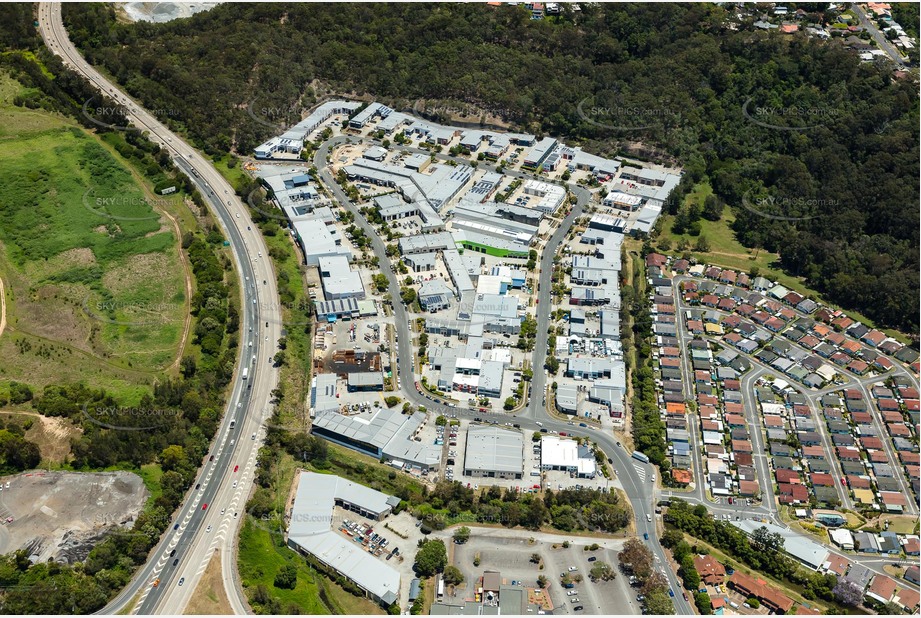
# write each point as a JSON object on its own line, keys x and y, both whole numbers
{"x": 292, "y": 141}
{"x": 323, "y": 396}
{"x": 435, "y": 295}
{"x": 382, "y": 433}
{"x": 365, "y": 381}
{"x": 374, "y": 110}
{"x": 341, "y": 309}
{"x": 338, "y": 279}
{"x": 310, "y": 532}
{"x": 567, "y": 398}
{"x": 494, "y": 452}
{"x": 319, "y": 240}
{"x": 538, "y": 155}
{"x": 551, "y": 195}
{"x": 567, "y": 455}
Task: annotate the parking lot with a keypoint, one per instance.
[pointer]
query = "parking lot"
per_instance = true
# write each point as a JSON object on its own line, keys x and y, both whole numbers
{"x": 509, "y": 552}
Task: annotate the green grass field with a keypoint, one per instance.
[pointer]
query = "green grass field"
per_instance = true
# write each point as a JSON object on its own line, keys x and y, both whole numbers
{"x": 95, "y": 286}
{"x": 263, "y": 553}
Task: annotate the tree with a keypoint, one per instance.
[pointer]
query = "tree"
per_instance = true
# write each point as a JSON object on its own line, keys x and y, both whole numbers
{"x": 453, "y": 576}
{"x": 441, "y": 421}
{"x": 713, "y": 208}
{"x": 431, "y": 558}
{"x": 658, "y": 603}
{"x": 847, "y": 593}
{"x": 407, "y": 295}
{"x": 509, "y": 403}
{"x": 286, "y": 577}
{"x": 636, "y": 557}
{"x": 702, "y": 245}
{"x": 172, "y": 457}
{"x": 753, "y": 602}
{"x": 380, "y": 282}
{"x": 391, "y": 401}
{"x": 655, "y": 582}
{"x": 535, "y": 558}
{"x": 702, "y": 600}
{"x": 542, "y": 581}
{"x": 462, "y": 535}
{"x": 602, "y": 571}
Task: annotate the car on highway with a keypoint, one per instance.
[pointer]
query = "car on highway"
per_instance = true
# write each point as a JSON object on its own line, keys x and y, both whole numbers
{"x": 252, "y": 437}
{"x": 222, "y": 511}
{"x": 208, "y": 529}
{"x": 645, "y": 536}
{"x": 648, "y": 517}
{"x": 172, "y": 553}
{"x": 181, "y": 580}
{"x": 671, "y": 593}
{"x": 176, "y": 561}
{"x": 235, "y": 468}
{"x": 234, "y": 483}
{"x": 204, "y": 506}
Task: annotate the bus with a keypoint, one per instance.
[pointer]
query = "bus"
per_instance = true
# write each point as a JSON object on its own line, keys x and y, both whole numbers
{"x": 640, "y": 456}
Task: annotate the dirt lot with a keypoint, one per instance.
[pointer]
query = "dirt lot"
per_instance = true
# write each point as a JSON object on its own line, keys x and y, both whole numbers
{"x": 210, "y": 597}
{"x": 62, "y": 515}
{"x": 52, "y": 435}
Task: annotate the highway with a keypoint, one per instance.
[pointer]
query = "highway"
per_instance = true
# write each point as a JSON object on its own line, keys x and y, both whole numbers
{"x": 634, "y": 476}
{"x": 177, "y": 562}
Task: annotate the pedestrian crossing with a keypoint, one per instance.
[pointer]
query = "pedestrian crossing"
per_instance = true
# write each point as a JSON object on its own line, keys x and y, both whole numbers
{"x": 640, "y": 471}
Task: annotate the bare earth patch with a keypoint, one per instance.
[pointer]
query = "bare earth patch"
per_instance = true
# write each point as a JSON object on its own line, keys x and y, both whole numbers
{"x": 210, "y": 596}
{"x": 51, "y": 434}
{"x": 63, "y": 515}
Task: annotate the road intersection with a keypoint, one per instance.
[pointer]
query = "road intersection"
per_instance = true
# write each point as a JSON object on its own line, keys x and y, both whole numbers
{"x": 186, "y": 549}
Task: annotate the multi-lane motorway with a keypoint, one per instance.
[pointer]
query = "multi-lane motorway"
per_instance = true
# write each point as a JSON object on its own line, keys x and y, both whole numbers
{"x": 213, "y": 510}
{"x": 223, "y": 483}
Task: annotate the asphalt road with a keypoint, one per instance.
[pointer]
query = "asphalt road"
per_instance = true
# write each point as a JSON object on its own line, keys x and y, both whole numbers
{"x": 881, "y": 41}
{"x": 640, "y": 492}
{"x": 188, "y": 542}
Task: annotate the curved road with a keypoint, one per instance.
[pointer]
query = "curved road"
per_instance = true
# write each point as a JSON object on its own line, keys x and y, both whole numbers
{"x": 197, "y": 531}
{"x": 639, "y": 492}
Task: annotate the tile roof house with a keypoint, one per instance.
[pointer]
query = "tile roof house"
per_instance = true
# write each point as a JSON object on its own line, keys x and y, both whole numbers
{"x": 710, "y": 570}
{"x": 909, "y": 599}
{"x": 882, "y": 589}
{"x": 771, "y": 597}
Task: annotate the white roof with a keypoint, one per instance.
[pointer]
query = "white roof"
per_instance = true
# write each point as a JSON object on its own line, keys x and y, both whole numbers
{"x": 494, "y": 449}
{"x": 310, "y": 529}
{"x": 563, "y": 453}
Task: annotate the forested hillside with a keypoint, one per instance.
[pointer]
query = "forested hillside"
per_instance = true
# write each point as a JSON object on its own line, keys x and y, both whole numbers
{"x": 781, "y": 125}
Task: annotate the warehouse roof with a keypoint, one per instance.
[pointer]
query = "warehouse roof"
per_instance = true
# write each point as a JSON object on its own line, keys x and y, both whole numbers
{"x": 494, "y": 449}
{"x": 310, "y": 528}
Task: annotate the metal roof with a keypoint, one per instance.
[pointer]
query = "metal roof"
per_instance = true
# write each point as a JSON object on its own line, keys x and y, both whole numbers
{"x": 310, "y": 529}
{"x": 494, "y": 449}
